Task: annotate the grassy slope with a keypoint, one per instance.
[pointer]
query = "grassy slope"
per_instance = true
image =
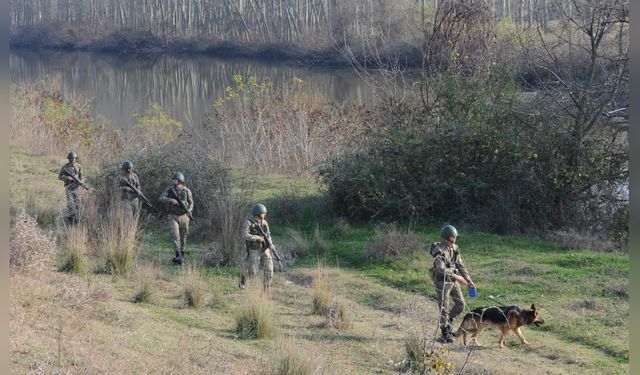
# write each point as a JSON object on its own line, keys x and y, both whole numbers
{"x": 89, "y": 324}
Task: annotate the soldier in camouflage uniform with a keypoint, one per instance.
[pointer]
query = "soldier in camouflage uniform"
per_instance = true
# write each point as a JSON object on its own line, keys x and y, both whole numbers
{"x": 177, "y": 218}
{"x": 128, "y": 195}
{"x": 71, "y": 188}
{"x": 448, "y": 273}
{"x": 257, "y": 250}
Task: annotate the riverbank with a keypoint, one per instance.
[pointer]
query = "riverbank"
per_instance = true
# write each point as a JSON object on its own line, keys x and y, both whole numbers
{"x": 76, "y": 38}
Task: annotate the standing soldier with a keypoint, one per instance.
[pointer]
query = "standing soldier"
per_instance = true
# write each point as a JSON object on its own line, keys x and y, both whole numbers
{"x": 128, "y": 195}
{"x": 448, "y": 273}
{"x": 71, "y": 174}
{"x": 179, "y": 206}
{"x": 257, "y": 248}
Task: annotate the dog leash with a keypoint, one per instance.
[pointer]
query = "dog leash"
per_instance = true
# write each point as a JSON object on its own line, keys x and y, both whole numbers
{"x": 491, "y": 297}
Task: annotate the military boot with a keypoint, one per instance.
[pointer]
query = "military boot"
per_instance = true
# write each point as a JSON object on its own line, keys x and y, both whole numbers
{"x": 447, "y": 337}
{"x": 184, "y": 260}
{"x": 177, "y": 259}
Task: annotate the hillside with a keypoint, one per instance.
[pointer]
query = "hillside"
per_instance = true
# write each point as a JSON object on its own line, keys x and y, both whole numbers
{"x": 88, "y": 323}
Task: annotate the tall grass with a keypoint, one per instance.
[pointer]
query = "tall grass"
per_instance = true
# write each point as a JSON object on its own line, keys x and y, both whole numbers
{"x": 339, "y": 316}
{"x": 145, "y": 276}
{"x": 73, "y": 258}
{"x": 193, "y": 287}
{"x": 118, "y": 234}
{"x": 255, "y": 318}
{"x": 322, "y": 294}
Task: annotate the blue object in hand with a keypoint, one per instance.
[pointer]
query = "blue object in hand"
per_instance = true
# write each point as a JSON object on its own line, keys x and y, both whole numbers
{"x": 473, "y": 292}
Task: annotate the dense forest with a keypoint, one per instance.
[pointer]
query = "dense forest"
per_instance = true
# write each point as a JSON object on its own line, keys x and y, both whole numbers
{"x": 293, "y": 25}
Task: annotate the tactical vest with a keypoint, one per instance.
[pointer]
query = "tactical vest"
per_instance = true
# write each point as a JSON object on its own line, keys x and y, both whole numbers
{"x": 253, "y": 230}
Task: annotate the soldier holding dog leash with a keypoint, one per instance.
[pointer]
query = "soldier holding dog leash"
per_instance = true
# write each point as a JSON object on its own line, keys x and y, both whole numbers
{"x": 447, "y": 273}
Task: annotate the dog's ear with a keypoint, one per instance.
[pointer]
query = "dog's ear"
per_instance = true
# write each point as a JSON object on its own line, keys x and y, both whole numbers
{"x": 533, "y": 307}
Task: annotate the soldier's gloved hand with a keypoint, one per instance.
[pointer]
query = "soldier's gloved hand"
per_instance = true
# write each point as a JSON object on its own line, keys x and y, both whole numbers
{"x": 174, "y": 202}
{"x": 69, "y": 178}
{"x": 260, "y": 239}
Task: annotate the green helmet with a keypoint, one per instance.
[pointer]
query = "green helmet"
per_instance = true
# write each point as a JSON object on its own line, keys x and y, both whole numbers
{"x": 178, "y": 176}
{"x": 127, "y": 164}
{"x": 448, "y": 231}
{"x": 72, "y": 155}
{"x": 258, "y": 209}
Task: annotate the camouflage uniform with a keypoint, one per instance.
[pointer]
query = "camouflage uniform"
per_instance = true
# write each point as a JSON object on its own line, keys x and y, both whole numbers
{"x": 256, "y": 251}
{"x": 71, "y": 190}
{"x": 177, "y": 219}
{"x": 129, "y": 198}
{"x": 447, "y": 261}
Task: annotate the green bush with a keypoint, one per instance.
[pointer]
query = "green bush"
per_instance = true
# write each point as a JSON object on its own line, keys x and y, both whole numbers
{"x": 473, "y": 159}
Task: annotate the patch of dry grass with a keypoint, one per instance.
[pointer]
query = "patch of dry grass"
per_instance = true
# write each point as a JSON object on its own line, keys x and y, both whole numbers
{"x": 29, "y": 246}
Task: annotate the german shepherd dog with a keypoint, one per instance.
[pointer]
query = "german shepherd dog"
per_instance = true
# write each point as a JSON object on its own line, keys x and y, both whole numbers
{"x": 505, "y": 319}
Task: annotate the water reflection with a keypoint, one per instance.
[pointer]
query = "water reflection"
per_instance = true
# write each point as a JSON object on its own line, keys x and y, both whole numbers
{"x": 185, "y": 86}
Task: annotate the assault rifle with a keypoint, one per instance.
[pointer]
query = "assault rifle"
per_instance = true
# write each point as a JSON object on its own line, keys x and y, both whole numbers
{"x": 267, "y": 239}
{"x": 75, "y": 179}
{"x": 183, "y": 206}
{"x": 138, "y": 192}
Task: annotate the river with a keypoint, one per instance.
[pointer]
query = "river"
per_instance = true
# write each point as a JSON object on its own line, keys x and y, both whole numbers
{"x": 119, "y": 86}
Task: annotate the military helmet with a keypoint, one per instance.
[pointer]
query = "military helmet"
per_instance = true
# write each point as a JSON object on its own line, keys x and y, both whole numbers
{"x": 72, "y": 155}
{"x": 178, "y": 176}
{"x": 127, "y": 164}
{"x": 448, "y": 231}
{"x": 258, "y": 209}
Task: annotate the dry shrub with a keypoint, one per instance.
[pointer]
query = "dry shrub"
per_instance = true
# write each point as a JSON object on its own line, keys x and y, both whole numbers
{"x": 423, "y": 357}
{"x": 255, "y": 319}
{"x": 322, "y": 294}
{"x": 303, "y": 131}
{"x": 75, "y": 247}
{"x": 421, "y": 354}
{"x": 338, "y": 316}
{"x": 214, "y": 256}
{"x": 298, "y": 245}
{"x": 391, "y": 243}
{"x": 303, "y": 247}
{"x": 580, "y": 240}
{"x": 46, "y": 122}
{"x": 194, "y": 287}
{"x": 29, "y": 246}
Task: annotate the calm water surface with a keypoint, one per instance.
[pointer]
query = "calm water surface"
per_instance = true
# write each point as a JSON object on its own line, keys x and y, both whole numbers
{"x": 186, "y": 86}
